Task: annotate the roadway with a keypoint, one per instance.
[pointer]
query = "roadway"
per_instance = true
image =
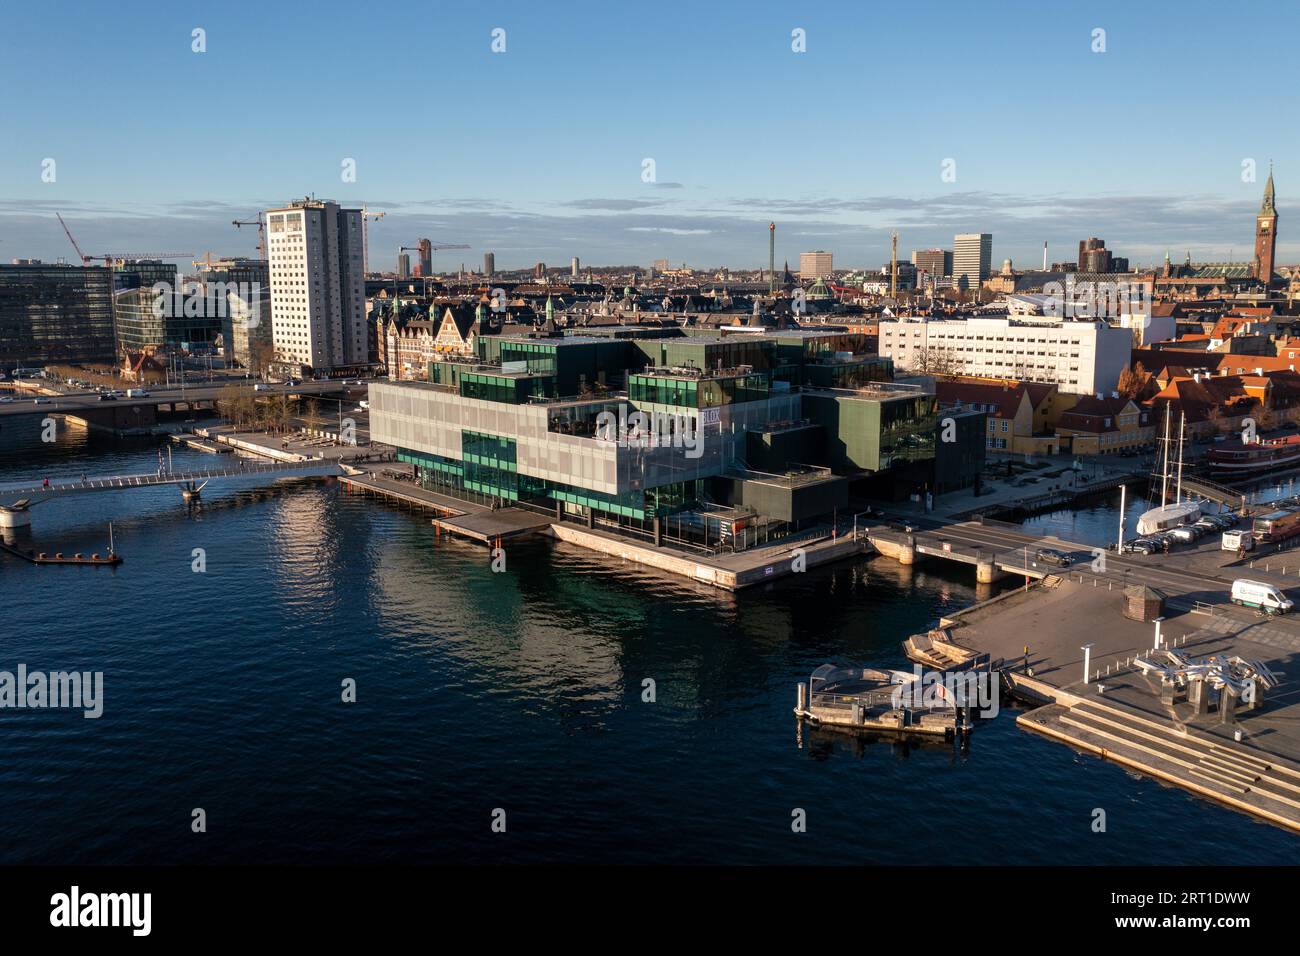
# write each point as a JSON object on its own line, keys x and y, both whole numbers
{"x": 85, "y": 401}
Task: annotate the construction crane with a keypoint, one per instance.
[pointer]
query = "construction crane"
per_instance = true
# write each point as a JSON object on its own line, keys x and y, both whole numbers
{"x": 260, "y": 223}
{"x": 116, "y": 258}
{"x": 430, "y": 247}
{"x": 68, "y": 232}
{"x": 366, "y": 216}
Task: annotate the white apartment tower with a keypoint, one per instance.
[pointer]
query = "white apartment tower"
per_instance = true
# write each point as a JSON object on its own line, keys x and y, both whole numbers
{"x": 318, "y": 291}
{"x": 972, "y": 259}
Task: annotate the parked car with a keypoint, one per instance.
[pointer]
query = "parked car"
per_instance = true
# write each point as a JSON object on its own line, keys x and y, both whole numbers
{"x": 1052, "y": 556}
{"x": 1184, "y": 535}
{"x": 1140, "y": 546}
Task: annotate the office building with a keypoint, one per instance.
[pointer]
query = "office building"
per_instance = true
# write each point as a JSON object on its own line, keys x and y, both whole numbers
{"x": 55, "y": 314}
{"x": 403, "y": 265}
{"x": 489, "y": 264}
{"x": 178, "y": 318}
{"x": 764, "y": 428}
{"x": 573, "y": 268}
{"x": 1093, "y": 255}
{"x": 317, "y": 286}
{"x": 242, "y": 290}
{"x": 933, "y": 262}
{"x": 972, "y": 258}
{"x": 142, "y": 273}
{"x": 815, "y": 265}
{"x": 1079, "y": 357}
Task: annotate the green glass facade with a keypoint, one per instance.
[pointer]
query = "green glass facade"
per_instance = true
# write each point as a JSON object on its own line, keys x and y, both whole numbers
{"x": 489, "y": 469}
{"x": 698, "y": 393}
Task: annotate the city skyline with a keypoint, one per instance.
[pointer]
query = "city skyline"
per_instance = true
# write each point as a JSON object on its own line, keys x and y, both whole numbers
{"x": 839, "y": 158}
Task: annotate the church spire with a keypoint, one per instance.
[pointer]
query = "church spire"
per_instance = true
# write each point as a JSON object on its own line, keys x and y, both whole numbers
{"x": 1268, "y": 208}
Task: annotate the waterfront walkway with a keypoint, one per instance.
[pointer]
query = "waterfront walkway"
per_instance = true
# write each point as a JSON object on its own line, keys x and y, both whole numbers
{"x": 1248, "y": 759}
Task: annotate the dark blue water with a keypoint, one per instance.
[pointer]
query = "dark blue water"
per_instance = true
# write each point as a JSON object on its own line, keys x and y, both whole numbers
{"x": 476, "y": 690}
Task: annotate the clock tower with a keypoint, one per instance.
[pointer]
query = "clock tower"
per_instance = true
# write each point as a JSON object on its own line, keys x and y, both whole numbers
{"x": 1266, "y": 234}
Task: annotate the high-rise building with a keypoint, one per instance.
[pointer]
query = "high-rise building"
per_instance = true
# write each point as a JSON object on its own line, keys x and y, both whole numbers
{"x": 1266, "y": 234}
{"x": 1093, "y": 255}
{"x": 935, "y": 262}
{"x": 54, "y": 314}
{"x": 815, "y": 265}
{"x": 318, "y": 308}
{"x": 403, "y": 265}
{"x": 489, "y": 264}
{"x": 972, "y": 258}
{"x": 426, "y": 257}
{"x": 573, "y": 268}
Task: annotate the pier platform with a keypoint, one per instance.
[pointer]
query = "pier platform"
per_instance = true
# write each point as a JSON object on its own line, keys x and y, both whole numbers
{"x": 491, "y": 527}
{"x": 1245, "y": 758}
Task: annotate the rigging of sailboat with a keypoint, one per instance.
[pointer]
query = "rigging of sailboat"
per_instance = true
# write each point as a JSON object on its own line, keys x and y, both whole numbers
{"x": 1178, "y": 512}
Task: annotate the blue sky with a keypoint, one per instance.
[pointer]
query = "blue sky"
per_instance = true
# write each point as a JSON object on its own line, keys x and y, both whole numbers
{"x": 537, "y": 152}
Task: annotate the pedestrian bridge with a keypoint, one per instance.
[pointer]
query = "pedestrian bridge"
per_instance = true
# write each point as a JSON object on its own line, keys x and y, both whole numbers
{"x": 20, "y": 497}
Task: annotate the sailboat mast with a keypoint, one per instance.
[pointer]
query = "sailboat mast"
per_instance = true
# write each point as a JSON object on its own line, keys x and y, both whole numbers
{"x": 1182, "y": 417}
{"x": 1164, "y": 475}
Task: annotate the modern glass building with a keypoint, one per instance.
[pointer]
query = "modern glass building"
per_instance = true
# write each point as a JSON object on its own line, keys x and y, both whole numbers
{"x": 149, "y": 320}
{"x": 674, "y": 438}
{"x": 55, "y": 314}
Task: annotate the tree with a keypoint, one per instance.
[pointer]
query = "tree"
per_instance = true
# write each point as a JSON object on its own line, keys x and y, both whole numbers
{"x": 939, "y": 362}
{"x": 260, "y": 356}
{"x": 1137, "y": 383}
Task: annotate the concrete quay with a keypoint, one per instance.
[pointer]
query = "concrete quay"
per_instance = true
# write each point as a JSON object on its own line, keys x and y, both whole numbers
{"x": 1247, "y": 758}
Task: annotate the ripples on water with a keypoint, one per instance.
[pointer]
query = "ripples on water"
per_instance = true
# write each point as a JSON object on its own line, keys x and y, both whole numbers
{"x": 476, "y": 690}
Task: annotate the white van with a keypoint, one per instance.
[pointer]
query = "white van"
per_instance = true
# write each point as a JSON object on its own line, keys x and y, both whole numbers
{"x": 1238, "y": 539}
{"x": 1265, "y": 597}
{"x": 136, "y": 393}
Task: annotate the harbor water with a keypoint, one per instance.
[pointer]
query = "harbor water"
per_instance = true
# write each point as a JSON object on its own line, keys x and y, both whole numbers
{"x": 524, "y": 691}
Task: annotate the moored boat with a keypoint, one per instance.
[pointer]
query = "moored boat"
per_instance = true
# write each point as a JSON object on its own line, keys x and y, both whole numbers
{"x": 1247, "y": 458}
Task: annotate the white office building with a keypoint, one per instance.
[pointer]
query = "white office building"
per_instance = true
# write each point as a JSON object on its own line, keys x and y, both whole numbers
{"x": 1081, "y": 357}
{"x": 318, "y": 289}
{"x": 972, "y": 259}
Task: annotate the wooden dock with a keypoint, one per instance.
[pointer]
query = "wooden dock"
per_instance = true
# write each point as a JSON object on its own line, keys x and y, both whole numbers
{"x": 201, "y": 444}
{"x": 40, "y": 557}
{"x": 404, "y": 492}
{"x": 493, "y": 527}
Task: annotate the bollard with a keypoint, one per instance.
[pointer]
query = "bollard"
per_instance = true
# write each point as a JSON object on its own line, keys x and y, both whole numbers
{"x": 803, "y": 698}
